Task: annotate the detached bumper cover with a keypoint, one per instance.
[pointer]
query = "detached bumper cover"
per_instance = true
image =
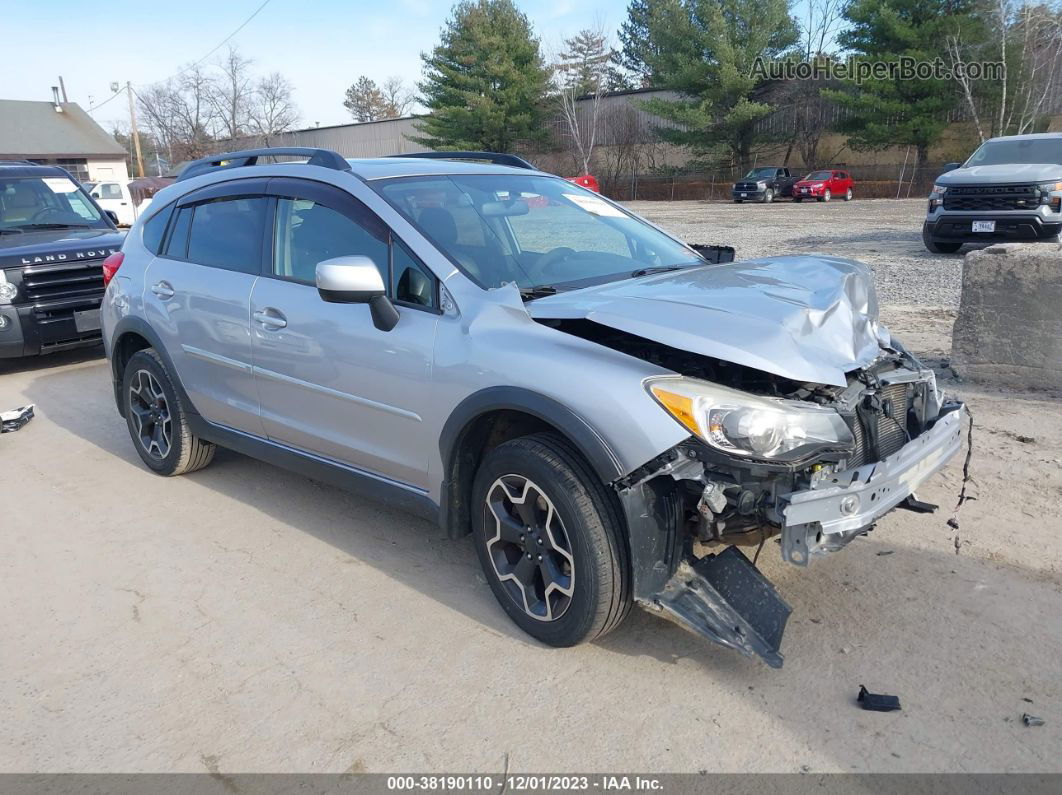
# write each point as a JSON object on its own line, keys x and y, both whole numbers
{"x": 825, "y": 518}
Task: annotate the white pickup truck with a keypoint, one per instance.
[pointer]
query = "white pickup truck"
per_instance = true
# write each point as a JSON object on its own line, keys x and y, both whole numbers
{"x": 126, "y": 199}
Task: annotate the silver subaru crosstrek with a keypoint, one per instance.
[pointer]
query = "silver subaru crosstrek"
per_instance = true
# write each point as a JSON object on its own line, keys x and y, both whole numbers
{"x": 610, "y": 412}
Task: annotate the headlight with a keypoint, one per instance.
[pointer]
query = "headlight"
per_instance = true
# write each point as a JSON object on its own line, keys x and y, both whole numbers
{"x": 761, "y": 184}
{"x": 749, "y": 425}
{"x": 8, "y": 291}
{"x": 940, "y": 189}
{"x": 1051, "y": 193}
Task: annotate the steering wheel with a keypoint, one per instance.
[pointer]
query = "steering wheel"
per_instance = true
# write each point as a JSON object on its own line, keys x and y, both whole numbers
{"x": 44, "y": 212}
{"x": 551, "y": 257}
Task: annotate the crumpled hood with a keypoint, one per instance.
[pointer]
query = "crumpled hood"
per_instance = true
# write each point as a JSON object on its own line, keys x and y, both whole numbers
{"x": 808, "y": 318}
{"x": 1002, "y": 175}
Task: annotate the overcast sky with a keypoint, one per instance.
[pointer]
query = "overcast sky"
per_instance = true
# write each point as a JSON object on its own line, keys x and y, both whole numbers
{"x": 321, "y": 46}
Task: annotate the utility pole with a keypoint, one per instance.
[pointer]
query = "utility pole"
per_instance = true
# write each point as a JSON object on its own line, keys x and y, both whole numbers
{"x": 136, "y": 133}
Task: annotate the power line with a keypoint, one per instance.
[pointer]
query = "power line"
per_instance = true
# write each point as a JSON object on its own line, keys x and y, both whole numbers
{"x": 180, "y": 72}
{"x": 224, "y": 40}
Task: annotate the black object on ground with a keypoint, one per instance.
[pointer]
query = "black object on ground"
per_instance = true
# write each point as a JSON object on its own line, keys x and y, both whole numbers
{"x": 11, "y": 421}
{"x": 1031, "y": 720}
{"x": 877, "y": 702}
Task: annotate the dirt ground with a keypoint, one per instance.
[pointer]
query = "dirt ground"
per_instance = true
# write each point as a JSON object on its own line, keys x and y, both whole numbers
{"x": 246, "y": 619}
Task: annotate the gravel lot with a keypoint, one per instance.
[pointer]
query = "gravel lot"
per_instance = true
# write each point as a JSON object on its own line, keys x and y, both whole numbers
{"x": 883, "y": 233}
{"x": 247, "y": 619}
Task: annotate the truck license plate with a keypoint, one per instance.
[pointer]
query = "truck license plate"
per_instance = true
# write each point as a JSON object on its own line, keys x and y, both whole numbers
{"x": 87, "y": 320}
{"x": 984, "y": 226}
{"x": 744, "y": 195}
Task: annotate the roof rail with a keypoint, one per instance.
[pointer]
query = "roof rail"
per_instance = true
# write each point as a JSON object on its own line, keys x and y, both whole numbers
{"x": 249, "y": 157}
{"x": 498, "y": 158}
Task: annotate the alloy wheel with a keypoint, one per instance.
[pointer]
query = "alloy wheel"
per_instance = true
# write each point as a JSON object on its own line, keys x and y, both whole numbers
{"x": 151, "y": 414}
{"x": 530, "y": 549}
{"x": 827, "y": 195}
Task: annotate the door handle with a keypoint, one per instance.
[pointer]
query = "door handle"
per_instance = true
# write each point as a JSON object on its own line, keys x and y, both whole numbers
{"x": 162, "y": 290}
{"x": 270, "y": 318}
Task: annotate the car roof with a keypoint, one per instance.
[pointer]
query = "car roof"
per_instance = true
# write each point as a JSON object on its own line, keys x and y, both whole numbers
{"x": 1027, "y": 137}
{"x": 23, "y": 168}
{"x": 389, "y": 167}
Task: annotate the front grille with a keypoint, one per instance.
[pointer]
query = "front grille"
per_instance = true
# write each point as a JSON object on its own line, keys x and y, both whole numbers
{"x": 992, "y": 197}
{"x": 57, "y": 291}
{"x": 749, "y": 187}
{"x": 891, "y": 430}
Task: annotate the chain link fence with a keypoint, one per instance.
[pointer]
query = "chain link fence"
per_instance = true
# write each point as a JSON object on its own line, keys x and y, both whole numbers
{"x": 877, "y": 181}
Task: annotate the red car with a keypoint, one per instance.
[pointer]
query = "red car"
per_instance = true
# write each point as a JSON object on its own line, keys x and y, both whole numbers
{"x": 586, "y": 181}
{"x": 824, "y": 185}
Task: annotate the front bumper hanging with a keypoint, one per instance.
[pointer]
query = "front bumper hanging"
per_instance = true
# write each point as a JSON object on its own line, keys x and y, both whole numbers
{"x": 827, "y": 516}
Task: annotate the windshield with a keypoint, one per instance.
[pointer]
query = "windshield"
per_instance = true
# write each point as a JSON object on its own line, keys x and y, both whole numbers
{"x": 46, "y": 203}
{"x": 532, "y": 230}
{"x": 1017, "y": 150}
{"x": 760, "y": 173}
{"x": 815, "y": 176}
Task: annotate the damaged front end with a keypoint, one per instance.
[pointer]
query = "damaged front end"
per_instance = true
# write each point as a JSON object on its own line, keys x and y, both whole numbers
{"x": 868, "y": 446}
{"x": 806, "y": 420}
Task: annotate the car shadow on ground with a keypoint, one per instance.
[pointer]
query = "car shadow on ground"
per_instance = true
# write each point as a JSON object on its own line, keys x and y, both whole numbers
{"x": 898, "y": 601}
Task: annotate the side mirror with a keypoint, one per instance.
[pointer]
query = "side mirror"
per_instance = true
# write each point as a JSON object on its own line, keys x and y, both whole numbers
{"x": 357, "y": 280}
{"x": 113, "y": 216}
{"x": 950, "y": 167}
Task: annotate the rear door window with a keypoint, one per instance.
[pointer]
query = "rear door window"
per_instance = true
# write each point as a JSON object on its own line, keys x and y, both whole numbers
{"x": 228, "y": 233}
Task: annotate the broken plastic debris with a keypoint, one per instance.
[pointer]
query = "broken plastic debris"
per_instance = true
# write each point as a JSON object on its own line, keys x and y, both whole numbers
{"x": 11, "y": 421}
{"x": 1031, "y": 720}
{"x": 877, "y": 702}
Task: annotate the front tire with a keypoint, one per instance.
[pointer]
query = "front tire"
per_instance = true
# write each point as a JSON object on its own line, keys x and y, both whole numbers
{"x": 156, "y": 418}
{"x": 768, "y": 196}
{"x": 940, "y": 246}
{"x": 549, "y": 538}
{"x": 826, "y": 196}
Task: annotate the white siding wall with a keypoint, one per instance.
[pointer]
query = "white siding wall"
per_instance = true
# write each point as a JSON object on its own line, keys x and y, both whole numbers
{"x": 107, "y": 169}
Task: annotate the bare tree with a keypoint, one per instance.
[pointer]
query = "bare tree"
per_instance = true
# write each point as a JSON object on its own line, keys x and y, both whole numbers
{"x": 232, "y": 93}
{"x": 398, "y": 97}
{"x": 809, "y": 110}
{"x": 581, "y": 73}
{"x": 272, "y": 110}
{"x": 1026, "y": 40}
{"x": 179, "y": 113}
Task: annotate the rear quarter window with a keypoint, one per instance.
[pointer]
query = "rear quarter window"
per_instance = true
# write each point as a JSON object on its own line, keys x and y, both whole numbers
{"x": 155, "y": 229}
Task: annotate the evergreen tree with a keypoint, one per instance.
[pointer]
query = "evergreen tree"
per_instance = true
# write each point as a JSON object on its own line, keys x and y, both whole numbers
{"x": 705, "y": 51}
{"x": 898, "y": 111}
{"x": 584, "y": 63}
{"x": 484, "y": 84}
{"x": 635, "y": 53}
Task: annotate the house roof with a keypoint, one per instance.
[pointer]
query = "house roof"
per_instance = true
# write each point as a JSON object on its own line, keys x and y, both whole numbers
{"x": 37, "y": 130}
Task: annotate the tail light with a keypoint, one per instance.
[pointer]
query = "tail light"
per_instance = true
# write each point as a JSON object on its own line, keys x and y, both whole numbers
{"x": 111, "y": 266}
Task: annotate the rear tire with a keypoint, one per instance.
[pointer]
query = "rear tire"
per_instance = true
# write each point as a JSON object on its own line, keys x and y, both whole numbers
{"x": 156, "y": 418}
{"x": 539, "y": 513}
{"x": 848, "y": 195}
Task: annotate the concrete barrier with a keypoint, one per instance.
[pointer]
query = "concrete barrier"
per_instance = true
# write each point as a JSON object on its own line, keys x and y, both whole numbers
{"x": 1009, "y": 329}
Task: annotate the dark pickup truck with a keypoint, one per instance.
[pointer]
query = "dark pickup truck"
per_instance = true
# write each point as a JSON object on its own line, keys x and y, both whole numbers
{"x": 764, "y": 185}
{"x": 53, "y": 240}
